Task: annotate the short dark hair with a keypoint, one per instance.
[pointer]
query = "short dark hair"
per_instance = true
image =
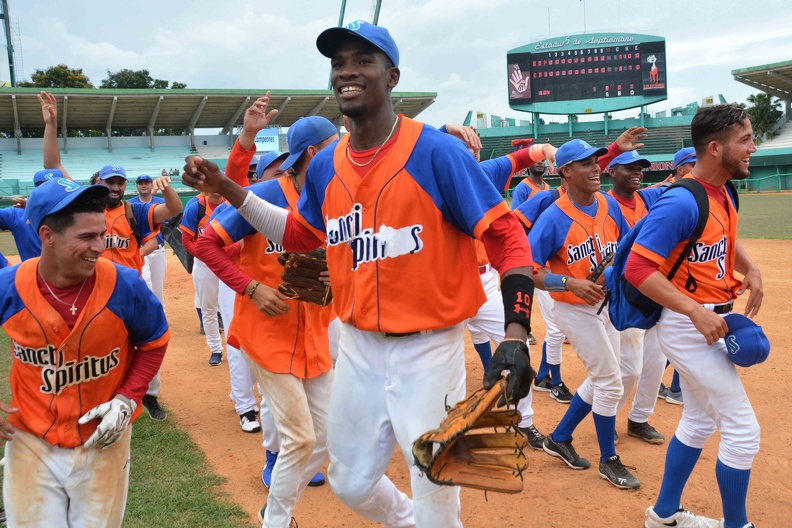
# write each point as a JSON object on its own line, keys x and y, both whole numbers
{"x": 94, "y": 178}
{"x": 713, "y": 123}
{"x": 64, "y": 218}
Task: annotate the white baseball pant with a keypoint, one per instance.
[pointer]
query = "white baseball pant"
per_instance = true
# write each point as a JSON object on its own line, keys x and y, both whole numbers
{"x": 154, "y": 266}
{"x": 46, "y": 485}
{"x": 554, "y": 337}
{"x": 389, "y": 391}
{"x": 299, "y": 409}
{"x": 713, "y": 392}
{"x": 207, "y": 287}
{"x": 631, "y": 343}
{"x": 596, "y": 342}
{"x": 488, "y": 324}
{"x": 654, "y": 363}
{"x": 242, "y": 379}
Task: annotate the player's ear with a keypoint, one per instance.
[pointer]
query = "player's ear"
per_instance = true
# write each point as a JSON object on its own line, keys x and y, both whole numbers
{"x": 394, "y": 74}
{"x": 47, "y": 235}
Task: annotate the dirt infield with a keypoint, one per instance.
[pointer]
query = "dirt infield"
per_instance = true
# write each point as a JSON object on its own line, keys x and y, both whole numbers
{"x": 554, "y": 496}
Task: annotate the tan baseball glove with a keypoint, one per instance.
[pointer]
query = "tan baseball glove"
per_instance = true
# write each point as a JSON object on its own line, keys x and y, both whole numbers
{"x": 301, "y": 277}
{"x": 476, "y": 445}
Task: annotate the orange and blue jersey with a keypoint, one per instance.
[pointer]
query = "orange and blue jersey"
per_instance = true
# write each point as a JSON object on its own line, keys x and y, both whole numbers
{"x": 403, "y": 233}
{"x": 668, "y": 226}
{"x": 525, "y": 190}
{"x": 528, "y": 211}
{"x": 58, "y": 374}
{"x": 191, "y": 224}
{"x": 154, "y": 200}
{"x": 25, "y": 236}
{"x": 574, "y": 239}
{"x": 293, "y": 343}
{"x": 121, "y": 246}
{"x": 644, "y": 198}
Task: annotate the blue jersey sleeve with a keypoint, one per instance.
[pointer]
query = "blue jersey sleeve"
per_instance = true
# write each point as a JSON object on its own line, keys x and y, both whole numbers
{"x": 460, "y": 189}
{"x": 141, "y": 212}
{"x": 651, "y": 194}
{"x": 531, "y": 209}
{"x": 499, "y": 171}
{"x": 672, "y": 219}
{"x": 190, "y": 218}
{"x": 235, "y": 226}
{"x": 320, "y": 172}
{"x": 7, "y": 219}
{"x": 548, "y": 234}
{"x": 3, "y": 261}
{"x": 615, "y": 212}
{"x": 520, "y": 194}
{"x": 137, "y": 306}
{"x": 10, "y": 301}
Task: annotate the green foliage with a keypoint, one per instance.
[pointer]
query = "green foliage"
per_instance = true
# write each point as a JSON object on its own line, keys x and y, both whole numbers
{"x": 60, "y": 76}
{"x": 136, "y": 79}
{"x": 764, "y": 112}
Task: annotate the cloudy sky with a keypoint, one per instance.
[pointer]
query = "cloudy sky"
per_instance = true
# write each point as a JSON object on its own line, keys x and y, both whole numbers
{"x": 456, "y": 48}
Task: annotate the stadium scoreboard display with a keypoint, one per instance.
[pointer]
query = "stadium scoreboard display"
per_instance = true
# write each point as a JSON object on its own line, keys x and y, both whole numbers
{"x": 589, "y": 73}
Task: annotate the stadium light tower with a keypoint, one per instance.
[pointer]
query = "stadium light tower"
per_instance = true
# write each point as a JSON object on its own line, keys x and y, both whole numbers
{"x": 4, "y": 16}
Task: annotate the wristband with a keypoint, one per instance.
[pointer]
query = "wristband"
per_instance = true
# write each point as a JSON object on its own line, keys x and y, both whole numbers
{"x": 253, "y": 290}
{"x": 554, "y": 282}
{"x": 517, "y": 291}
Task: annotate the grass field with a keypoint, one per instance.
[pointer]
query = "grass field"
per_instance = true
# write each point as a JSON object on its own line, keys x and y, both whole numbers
{"x": 170, "y": 484}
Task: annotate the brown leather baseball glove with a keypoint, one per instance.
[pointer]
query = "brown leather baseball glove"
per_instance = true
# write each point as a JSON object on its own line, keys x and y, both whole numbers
{"x": 301, "y": 277}
{"x": 476, "y": 445}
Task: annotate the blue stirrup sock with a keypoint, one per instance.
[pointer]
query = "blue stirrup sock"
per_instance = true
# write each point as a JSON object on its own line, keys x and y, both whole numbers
{"x": 675, "y": 382}
{"x": 485, "y": 353}
{"x": 555, "y": 373}
{"x": 200, "y": 315}
{"x": 544, "y": 368}
{"x": 733, "y": 484}
{"x": 578, "y": 409}
{"x": 605, "y": 426}
{"x": 679, "y": 463}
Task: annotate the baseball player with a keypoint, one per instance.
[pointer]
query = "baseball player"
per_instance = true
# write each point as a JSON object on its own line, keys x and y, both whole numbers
{"x": 290, "y": 350}
{"x": 87, "y": 338}
{"x": 394, "y": 200}
{"x": 195, "y": 219}
{"x": 154, "y": 264}
{"x": 13, "y": 219}
{"x": 691, "y": 327}
{"x": 531, "y": 185}
{"x": 573, "y": 235}
{"x": 640, "y": 360}
{"x": 268, "y": 167}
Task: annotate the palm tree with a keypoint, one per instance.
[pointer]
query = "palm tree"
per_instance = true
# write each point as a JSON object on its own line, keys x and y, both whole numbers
{"x": 764, "y": 113}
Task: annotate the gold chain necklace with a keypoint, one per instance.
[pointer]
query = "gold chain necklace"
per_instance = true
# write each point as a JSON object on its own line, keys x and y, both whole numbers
{"x": 73, "y": 308}
{"x": 349, "y": 156}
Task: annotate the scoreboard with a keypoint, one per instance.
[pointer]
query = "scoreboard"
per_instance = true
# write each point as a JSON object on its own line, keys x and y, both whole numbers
{"x": 587, "y": 73}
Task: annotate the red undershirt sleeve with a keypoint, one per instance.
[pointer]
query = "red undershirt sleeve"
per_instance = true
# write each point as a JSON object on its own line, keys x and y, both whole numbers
{"x": 507, "y": 245}
{"x": 299, "y": 238}
{"x": 212, "y": 253}
{"x": 145, "y": 365}
{"x": 638, "y": 269}
{"x": 189, "y": 243}
{"x": 613, "y": 151}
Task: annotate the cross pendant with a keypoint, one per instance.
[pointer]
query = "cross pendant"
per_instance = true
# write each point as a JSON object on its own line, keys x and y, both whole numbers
{"x": 73, "y": 310}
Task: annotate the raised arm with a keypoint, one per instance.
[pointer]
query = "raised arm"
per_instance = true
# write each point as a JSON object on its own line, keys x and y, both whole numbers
{"x": 172, "y": 205}
{"x": 49, "y": 111}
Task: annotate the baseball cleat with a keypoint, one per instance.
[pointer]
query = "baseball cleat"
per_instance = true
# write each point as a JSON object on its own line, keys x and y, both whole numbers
{"x": 535, "y": 438}
{"x": 156, "y": 412}
{"x": 249, "y": 422}
{"x": 565, "y": 452}
{"x": 663, "y": 392}
{"x": 531, "y": 339}
{"x": 543, "y": 385}
{"x": 645, "y": 432}
{"x": 617, "y": 474}
{"x": 674, "y": 397}
{"x": 216, "y": 359}
{"x": 317, "y": 480}
{"x": 266, "y": 473}
{"x": 561, "y": 393}
{"x": 680, "y": 519}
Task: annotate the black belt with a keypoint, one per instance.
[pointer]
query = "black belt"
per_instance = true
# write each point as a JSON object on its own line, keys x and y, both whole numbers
{"x": 405, "y": 334}
{"x": 724, "y": 308}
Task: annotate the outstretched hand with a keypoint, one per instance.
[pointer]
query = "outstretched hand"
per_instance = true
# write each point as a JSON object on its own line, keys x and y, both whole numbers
{"x": 257, "y": 117}
{"x": 202, "y": 175}
{"x": 467, "y": 134}
{"x": 49, "y": 108}
{"x": 629, "y": 139}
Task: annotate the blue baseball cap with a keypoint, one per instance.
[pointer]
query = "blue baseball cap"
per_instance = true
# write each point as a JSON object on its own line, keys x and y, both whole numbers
{"x": 143, "y": 177}
{"x": 253, "y": 161}
{"x": 305, "y": 132}
{"x": 576, "y": 150}
{"x": 108, "y": 171}
{"x": 46, "y": 175}
{"x": 55, "y": 195}
{"x": 329, "y": 39}
{"x": 626, "y": 158}
{"x": 746, "y": 342}
{"x": 268, "y": 159}
{"x": 685, "y": 155}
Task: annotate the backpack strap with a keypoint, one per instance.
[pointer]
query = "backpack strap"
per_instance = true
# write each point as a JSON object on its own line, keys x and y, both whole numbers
{"x": 702, "y": 202}
{"x": 734, "y": 194}
{"x": 201, "y": 213}
{"x": 130, "y": 216}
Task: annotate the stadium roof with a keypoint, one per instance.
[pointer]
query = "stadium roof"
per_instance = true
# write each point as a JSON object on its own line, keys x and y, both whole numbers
{"x": 774, "y": 79}
{"x": 188, "y": 109}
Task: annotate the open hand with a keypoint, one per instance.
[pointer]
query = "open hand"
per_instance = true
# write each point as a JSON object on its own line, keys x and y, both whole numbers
{"x": 629, "y": 139}
{"x": 49, "y": 108}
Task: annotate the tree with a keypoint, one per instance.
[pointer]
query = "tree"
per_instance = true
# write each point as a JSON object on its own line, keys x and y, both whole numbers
{"x": 60, "y": 76}
{"x": 764, "y": 113}
{"x": 137, "y": 79}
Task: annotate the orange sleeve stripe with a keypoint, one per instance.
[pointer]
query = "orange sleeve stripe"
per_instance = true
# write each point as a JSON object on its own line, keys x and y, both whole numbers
{"x": 522, "y": 218}
{"x": 648, "y": 254}
{"x": 221, "y": 232}
{"x": 187, "y": 230}
{"x": 321, "y": 235}
{"x": 152, "y": 225}
{"x": 161, "y": 341}
{"x": 149, "y": 237}
{"x": 490, "y": 216}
